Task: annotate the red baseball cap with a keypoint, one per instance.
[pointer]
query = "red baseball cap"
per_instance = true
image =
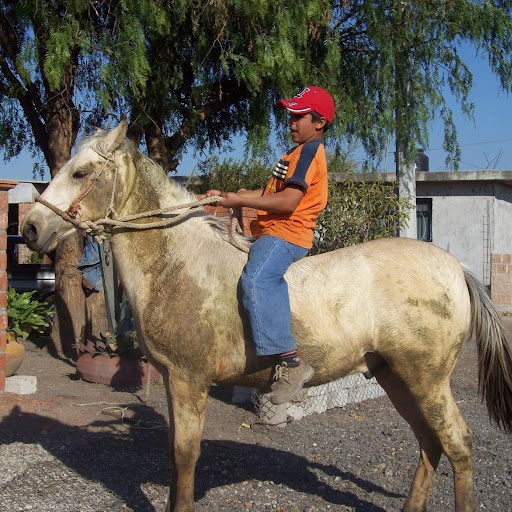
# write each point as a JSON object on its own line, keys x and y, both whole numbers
{"x": 309, "y": 99}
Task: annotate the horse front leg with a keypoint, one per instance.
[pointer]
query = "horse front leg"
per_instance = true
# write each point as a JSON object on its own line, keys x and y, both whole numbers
{"x": 187, "y": 408}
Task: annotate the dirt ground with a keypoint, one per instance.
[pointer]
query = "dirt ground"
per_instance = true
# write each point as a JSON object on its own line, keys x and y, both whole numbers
{"x": 80, "y": 447}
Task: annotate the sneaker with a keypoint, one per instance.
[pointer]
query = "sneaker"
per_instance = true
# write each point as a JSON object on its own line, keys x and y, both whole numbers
{"x": 289, "y": 381}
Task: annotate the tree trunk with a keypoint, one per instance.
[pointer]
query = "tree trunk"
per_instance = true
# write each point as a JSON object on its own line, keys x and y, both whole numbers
{"x": 78, "y": 317}
{"x": 75, "y": 319}
{"x": 69, "y": 320}
{"x": 95, "y": 315}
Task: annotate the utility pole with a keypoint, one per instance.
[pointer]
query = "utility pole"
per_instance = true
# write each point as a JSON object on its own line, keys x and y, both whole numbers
{"x": 406, "y": 180}
{"x": 405, "y": 172}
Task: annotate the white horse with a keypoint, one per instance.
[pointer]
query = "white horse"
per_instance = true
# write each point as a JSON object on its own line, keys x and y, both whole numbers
{"x": 398, "y": 308}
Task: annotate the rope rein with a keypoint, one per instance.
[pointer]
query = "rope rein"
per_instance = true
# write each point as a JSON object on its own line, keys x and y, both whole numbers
{"x": 101, "y": 226}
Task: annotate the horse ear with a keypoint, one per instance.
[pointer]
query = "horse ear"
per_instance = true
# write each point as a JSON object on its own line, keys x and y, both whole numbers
{"x": 116, "y": 136}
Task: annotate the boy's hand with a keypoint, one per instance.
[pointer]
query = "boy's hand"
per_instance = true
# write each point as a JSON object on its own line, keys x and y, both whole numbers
{"x": 213, "y": 192}
{"x": 231, "y": 199}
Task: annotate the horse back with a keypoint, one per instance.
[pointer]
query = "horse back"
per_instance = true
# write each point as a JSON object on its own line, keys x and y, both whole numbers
{"x": 389, "y": 296}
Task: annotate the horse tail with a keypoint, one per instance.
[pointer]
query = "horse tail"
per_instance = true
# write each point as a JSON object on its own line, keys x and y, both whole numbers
{"x": 494, "y": 354}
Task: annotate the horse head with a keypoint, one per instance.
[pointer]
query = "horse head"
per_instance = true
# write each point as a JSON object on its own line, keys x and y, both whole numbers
{"x": 88, "y": 187}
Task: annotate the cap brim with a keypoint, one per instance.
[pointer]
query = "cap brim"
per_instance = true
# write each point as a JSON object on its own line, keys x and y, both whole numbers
{"x": 295, "y": 109}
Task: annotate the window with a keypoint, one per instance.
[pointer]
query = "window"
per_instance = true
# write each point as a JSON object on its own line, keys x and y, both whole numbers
{"x": 424, "y": 219}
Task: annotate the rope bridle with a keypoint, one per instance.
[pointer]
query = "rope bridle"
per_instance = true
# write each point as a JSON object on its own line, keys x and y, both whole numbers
{"x": 100, "y": 227}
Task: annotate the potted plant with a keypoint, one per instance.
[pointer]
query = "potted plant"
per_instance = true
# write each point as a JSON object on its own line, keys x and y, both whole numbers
{"x": 25, "y": 314}
{"x": 114, "y": 360}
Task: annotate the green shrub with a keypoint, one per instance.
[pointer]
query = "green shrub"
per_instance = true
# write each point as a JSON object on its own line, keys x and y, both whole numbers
{"x": 35, "y": 257}
{"x": 359, "y": 211}
{"x": 230, "y": 175}
{"x": 25, "y": 314}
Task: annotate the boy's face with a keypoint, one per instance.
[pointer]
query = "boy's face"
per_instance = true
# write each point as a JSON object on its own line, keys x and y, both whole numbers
{"x": 303, "y": 129}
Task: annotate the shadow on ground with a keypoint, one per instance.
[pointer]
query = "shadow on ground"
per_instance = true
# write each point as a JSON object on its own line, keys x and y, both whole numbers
{"x": 123, "y": 464}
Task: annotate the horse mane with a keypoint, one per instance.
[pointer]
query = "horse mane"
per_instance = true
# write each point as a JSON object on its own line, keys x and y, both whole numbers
{"x": 217, "y": 225}
{"x": 158, "y": 178}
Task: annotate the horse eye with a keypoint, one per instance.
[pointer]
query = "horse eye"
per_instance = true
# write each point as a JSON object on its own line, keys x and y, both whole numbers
{"x": 80, "y": 174}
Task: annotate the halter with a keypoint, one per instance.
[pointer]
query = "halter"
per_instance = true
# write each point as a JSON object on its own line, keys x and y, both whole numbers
{"x": 74, "y": 207}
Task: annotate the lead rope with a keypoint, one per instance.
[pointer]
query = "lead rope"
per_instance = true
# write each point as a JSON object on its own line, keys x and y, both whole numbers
{"x": 101, "y": 226}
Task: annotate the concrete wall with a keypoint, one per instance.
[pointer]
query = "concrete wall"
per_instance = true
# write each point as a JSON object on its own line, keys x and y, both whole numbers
{"x": 471, "y": 217}
{"x": 26, "y": 192}
{"x": 502, "y": 236}
{"x": 462, "y": 222}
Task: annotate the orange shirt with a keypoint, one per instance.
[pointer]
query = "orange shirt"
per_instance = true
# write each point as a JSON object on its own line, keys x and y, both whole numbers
{"x": 304, "y": 166}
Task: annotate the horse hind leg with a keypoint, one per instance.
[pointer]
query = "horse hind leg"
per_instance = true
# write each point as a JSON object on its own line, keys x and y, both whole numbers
{"x": 457, "y": 441}
{"x": 439, "y": 428}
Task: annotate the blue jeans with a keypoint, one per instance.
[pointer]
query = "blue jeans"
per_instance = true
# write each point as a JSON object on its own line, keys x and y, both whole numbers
{"x": 90, "y": 263}
{"x": 265, "y": 294}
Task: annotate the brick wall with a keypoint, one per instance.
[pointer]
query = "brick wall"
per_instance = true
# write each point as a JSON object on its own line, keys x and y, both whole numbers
{"x": 23, "y": 209}
{"x": 5, "y": 186}
{"x": 245, "y": 215}
{"x": 501, "y": 281}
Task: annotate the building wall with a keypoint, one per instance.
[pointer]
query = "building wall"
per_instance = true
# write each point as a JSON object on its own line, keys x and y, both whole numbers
{"x": 472, "y": 220}
{"x": 471, "y": 214}
{"x": 462, "y": 222}
{"x": 502, "y": 235}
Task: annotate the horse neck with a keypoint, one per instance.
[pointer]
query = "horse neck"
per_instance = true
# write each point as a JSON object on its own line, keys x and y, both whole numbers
{"x": 148, "y": 188}
{"x": 184, "y": 247}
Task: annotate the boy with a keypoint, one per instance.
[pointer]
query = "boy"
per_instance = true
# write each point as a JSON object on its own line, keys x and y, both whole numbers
{"x": 287, "y": 208}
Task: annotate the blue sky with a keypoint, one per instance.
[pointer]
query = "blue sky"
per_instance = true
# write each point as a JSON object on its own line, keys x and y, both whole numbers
{"x": 486, "y": 142}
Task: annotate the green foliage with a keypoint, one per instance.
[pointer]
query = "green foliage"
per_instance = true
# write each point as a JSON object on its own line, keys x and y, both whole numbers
{"x": 196, "y": 73}
{"x": 35, "y": 257}
{"x": 396, "y": 60}
{"x": 26, "y": 314}
{"x": 231, "y": 175}
{"x": 358, "y": 211}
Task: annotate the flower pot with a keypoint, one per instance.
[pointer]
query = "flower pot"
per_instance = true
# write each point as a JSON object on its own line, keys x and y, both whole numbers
{"x": 115, "y": 371}
{"x": 14, "y": 354}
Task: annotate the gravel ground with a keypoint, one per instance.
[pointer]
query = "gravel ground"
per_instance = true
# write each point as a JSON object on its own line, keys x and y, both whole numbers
{"x": 65, "y": 449}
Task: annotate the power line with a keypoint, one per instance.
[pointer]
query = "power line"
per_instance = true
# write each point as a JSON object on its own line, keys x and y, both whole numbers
{"x": 475, "y": 144}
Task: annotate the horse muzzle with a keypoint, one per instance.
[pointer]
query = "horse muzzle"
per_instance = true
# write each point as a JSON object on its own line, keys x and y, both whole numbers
{"x": 42, "y": 235}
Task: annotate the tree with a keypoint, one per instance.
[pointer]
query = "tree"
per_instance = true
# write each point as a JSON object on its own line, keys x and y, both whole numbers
{"x": 195, "y": 72}
{"x": 199, "y": 72}
{"x": 395, "y": 58}
{"x": 387, "y": 63}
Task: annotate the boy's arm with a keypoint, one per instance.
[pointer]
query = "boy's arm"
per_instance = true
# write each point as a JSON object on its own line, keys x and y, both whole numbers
{"x": 284, "y": 201}
{"x": 250, "y": 193}
{"x": 243, "y": 192}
